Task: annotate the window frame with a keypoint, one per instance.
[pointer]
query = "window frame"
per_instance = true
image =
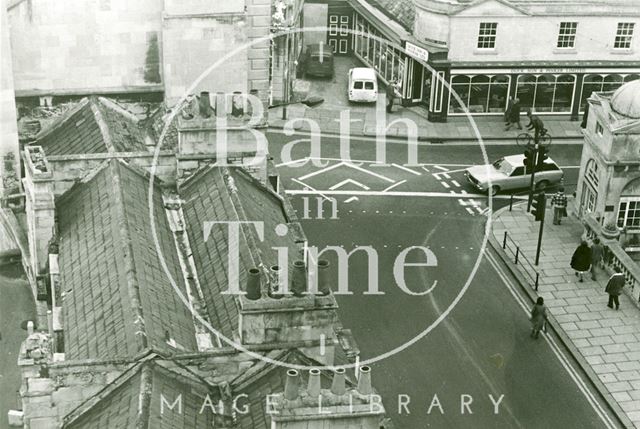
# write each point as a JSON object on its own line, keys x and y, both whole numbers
{"x": 567, "y": 31}
{"x": 626, "y": 201}
{"x": 624, "y": 34}
{"x": 487, "y": 35}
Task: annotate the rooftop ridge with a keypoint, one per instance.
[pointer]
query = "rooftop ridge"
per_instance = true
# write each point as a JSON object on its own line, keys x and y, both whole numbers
{"x": 102, "y": 124}
{"x": 127, "y": 248}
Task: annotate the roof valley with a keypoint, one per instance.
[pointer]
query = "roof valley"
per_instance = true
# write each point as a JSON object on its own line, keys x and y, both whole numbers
{"x": 127, "y": 256}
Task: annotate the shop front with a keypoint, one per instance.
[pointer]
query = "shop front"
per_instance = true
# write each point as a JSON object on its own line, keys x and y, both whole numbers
{"x": 546, "y": 90}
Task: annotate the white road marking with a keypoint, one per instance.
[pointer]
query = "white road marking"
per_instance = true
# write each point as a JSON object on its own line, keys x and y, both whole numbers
{"x": 455, "y": 183}
{"x": 445, "y": 175}
{"x": 301, "y": 161}
{"x": 312, "y": 190}
{"x": 398, "y": 194}
{"x": 425, "y": 168}
{"x": 351, "y": 199}
{"x": 445, "y": 184}
{"x": 364, "y": 170}
{"x": 394, "y": 185}
{"x": 470, "y": 210}
{"x": 439, "y": 167}
{"x": 322, "y": 170}
{"x": 480, "y": 210}
{"x": 347, "y": 181}
{"x": 402, "y": 167}
{"x": 556, "y": 349}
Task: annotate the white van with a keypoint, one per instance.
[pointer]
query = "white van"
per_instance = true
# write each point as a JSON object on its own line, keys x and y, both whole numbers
{"x": 363, "y": 84}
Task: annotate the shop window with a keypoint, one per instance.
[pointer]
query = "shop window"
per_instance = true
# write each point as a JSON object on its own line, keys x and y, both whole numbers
{"x": 629, "y": 213}
{"x": 624, "y": 35}
{"x": 480, "y": 93}
{"x": 567, "y": 35}
{"x": 487, "y": 35}
{"x": 598, "y": 83}
{"x": 546, "y": 93}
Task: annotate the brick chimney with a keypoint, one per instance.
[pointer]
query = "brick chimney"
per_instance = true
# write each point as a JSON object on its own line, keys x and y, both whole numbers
{"x": 294, "y": 315}
{"x": 338, "y": 407}
{"x": 40, "y": 208}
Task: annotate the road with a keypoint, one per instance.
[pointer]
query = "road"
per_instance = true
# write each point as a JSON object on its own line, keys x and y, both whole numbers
{"x": 16, "y": 307}
{"x": 482, "y": 346}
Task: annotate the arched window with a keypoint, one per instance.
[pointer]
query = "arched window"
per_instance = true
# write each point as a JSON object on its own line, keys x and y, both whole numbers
{"x": 460, "y": 84}
{"x": 591, "y": 173}
{"x": 526, "y": 90}
{"x": 630, "y": 77}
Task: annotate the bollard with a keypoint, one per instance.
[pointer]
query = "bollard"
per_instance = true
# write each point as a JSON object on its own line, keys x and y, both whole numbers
{"x": 504, "y": 241}
{"x": 517, "y": 253}
{"x": 537, "y": 277}
{"x": 511, "y": 202}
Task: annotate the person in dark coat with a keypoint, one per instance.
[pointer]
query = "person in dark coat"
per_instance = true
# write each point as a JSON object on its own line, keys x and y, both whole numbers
{"x": 538, "y": 317}
{"x": 535, "y": 124}
{"x": 614, "y": 288}
{"x": 514, "y": 115}
{"x": 597, "y": 251}
{"x": 391, "y": 95}
{"x": 581, "y": 259}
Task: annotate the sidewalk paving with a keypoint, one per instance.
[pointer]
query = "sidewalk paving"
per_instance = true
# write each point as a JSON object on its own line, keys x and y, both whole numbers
{"x": 609, "y": 340}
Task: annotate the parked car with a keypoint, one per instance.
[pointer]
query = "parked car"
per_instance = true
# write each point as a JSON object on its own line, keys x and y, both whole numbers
{"x": 317, "y": 61}
{"x": 509, "y": 173}
{"x": 363, "y": 84}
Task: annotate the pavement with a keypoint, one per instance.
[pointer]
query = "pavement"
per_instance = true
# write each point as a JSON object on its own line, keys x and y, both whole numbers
{"x": 481, "y": 345}
{"x": 606, "y": 339}
{"x": 364, "y": 120}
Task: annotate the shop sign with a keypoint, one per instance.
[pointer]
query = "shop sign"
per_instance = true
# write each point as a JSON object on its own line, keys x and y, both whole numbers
{"x": 416, "y": 52}
{"x": 549, "y": 70}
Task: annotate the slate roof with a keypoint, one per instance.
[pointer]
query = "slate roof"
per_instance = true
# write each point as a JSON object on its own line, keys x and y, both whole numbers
{"x": 117, "y": 299}
{"x": 401, "y": 11}
{"x": 134, "y": 400}
{"x": 216, "y": 194}
{"x": 94, "y": 125}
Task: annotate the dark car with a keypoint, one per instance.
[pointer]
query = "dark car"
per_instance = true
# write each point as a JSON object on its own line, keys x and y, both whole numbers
{"x": 317, "y": 60}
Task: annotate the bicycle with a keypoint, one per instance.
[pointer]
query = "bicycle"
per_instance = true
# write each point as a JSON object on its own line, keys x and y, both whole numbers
{"x": 526, "y": 139}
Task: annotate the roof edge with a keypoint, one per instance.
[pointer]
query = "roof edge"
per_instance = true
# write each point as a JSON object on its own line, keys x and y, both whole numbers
{"x": 57, "y": 123}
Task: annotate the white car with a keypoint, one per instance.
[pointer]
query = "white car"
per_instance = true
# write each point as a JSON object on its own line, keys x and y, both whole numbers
{"x": 509, "y": 173}
{"x": 363, "y": 85}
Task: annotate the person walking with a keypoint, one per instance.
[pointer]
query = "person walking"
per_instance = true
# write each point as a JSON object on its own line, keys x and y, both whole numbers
{"x": 559, "y": 203}
{"x": 391, "y": 95}
{"x": 614, "y": 288}
{"x": 581, "y": 260}
{"x": 514, "y": 115}
{"x": 535, "y": 124}
{"x": 597, "y": 251}
{"x": 538, "y": 318}
{"x": 507, "y": 111}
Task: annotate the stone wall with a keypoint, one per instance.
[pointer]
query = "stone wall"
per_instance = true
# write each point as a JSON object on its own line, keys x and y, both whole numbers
{"x": 86, "y": 46}
{"x": 9, "y": 149}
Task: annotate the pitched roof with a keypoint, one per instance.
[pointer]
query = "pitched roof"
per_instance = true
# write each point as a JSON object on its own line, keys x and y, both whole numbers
{"x": 216, "y": 194}
{"x": 94, "y": 125}
{"x": 117, "y": 299}
{"x": 134, "y": 400}
{"x": 402, "y": 11}
{"x": 565, "y": 7}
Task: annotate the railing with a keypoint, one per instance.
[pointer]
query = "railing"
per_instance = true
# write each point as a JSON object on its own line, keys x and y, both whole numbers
{"x": 615, "y": 257}
{"x": 519, "y": 258}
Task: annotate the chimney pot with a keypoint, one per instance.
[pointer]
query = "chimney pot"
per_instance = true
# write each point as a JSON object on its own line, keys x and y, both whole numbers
{"x": 323, "y": 274}
{"x": 338, "y": 383}
{"x": 237, "y": 104}
{"x": 253, "y": 284}
{"x": 364, "y": 380}
{"x": 276, "y": 287}
{"x": 205, "y": 104}
{"x": 299, "y": 278}
{"x": 292, "y": 385}
{"x": 313, "y": 388}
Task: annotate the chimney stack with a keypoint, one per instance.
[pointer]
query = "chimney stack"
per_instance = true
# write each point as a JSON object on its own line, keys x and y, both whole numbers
{"x": 292, "y": 385}
{"x": 338, "y": 384}
{"x": 314, "y": 386}
{"x": 364, "y": 380}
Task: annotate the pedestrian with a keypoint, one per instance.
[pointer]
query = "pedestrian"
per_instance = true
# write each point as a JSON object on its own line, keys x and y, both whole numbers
{"x": 507, "y": 112}
{"x": 538, "y": 318}
{"x": 614, "y": 288}
{"x": 514, "y": 115}
{"x": 597, "y": 252}
{"x": 581, "y": 260}
{"x": 585, "y": 117}
{"x": 535, "y": 124}
{"x": 559, "y": 203}
{"x": 391, "y": 95}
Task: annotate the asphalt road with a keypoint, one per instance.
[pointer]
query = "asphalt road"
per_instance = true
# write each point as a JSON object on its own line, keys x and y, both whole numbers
{"x": 16, "y": 307}
{"x": 482, "y": 347}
